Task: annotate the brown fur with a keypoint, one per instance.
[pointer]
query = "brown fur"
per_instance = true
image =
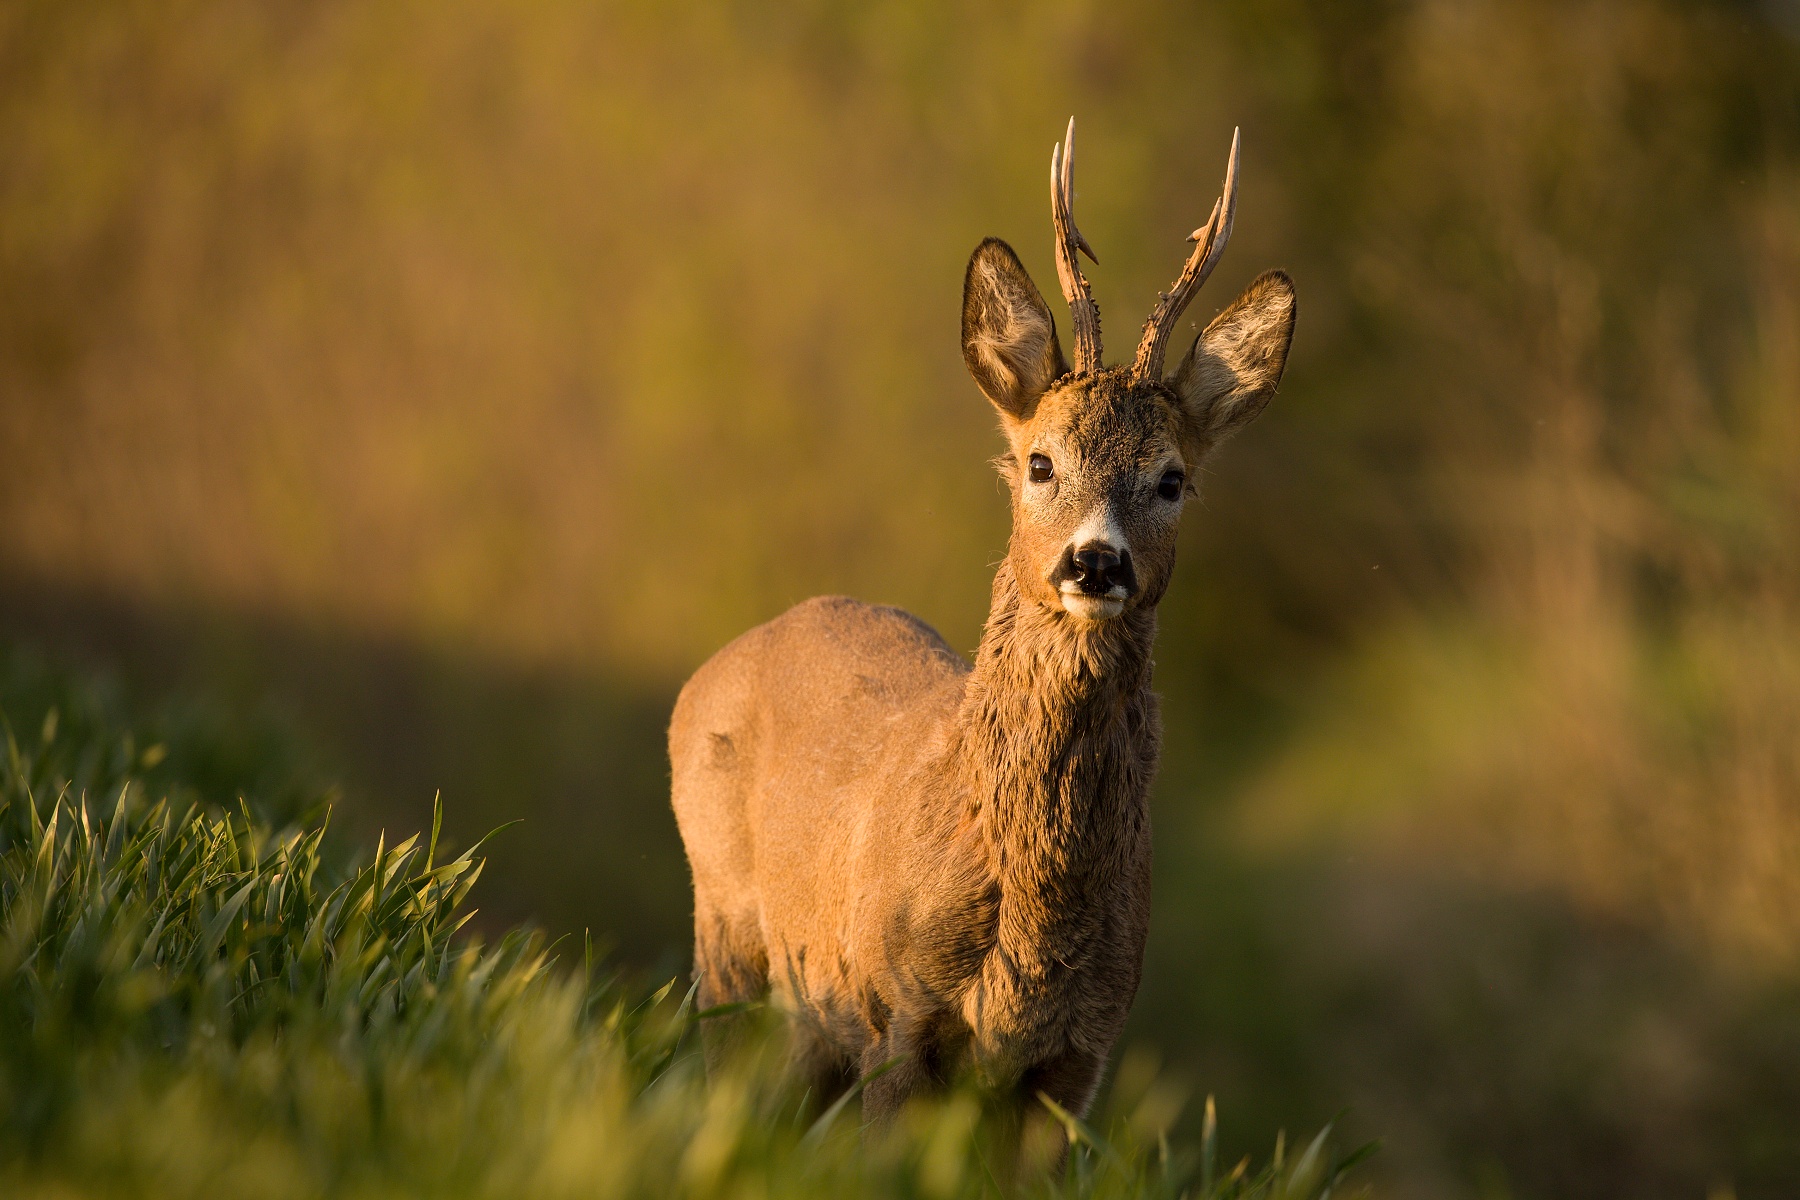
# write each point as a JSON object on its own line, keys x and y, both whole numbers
{"x": 944, "y": 863}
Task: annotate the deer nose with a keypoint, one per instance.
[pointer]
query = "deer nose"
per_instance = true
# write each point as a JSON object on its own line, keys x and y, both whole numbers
{"x": 1096, "y": 562}
{"x": 1098, "y": 568}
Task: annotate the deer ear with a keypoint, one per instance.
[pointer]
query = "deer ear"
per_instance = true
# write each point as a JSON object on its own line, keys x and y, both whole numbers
{"x": 1008, "y": 335}
{"x": 1230, "y": 373}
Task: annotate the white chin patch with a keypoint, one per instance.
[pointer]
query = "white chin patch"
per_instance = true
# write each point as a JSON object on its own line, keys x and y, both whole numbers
{"x": 1092, "y": 608}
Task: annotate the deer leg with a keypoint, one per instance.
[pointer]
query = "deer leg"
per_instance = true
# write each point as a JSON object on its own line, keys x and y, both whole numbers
{"x": 731, "y": 966}
{"x": 816, "y": 1065}
{"x": 912, "y": 1075}
{"x": 1070, "y": 1079}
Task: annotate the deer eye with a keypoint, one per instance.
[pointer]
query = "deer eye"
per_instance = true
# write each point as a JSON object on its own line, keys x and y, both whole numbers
{"x": 1040, "y": 469}
{"x": 1170, "y": 487}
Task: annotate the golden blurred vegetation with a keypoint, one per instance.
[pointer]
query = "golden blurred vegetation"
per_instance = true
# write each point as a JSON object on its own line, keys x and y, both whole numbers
{"x": 461, "y": 375}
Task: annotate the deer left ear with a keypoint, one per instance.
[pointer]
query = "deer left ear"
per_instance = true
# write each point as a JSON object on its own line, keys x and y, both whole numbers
{"x": 1233, "y": 367}
{"x": 1009, "y": 339}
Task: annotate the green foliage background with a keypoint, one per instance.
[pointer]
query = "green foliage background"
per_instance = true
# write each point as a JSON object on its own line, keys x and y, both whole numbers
{"x": 444, "y": 382}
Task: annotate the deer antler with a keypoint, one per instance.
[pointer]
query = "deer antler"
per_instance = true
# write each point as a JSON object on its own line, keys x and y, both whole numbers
{"x": 1210, "y": 238}
{"x": 1083, "y": 312}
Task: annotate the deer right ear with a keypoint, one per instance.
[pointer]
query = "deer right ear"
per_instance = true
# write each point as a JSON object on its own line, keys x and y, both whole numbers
{"x": 1008, "y": 335}
{"x": 1230, "y": 373}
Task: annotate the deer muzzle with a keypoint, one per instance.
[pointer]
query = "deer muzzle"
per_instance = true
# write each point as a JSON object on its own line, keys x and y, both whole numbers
{"x": 1094, "y": 579}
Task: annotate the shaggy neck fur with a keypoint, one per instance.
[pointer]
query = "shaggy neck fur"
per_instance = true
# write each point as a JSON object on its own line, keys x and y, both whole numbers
{"x": 1060, "y": 736}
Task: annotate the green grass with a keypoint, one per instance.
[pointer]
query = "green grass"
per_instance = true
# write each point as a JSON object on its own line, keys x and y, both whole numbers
{"x": 208, "y": 999}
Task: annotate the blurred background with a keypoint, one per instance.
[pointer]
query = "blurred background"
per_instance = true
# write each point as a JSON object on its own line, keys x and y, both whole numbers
{"x": 443, "y": 382}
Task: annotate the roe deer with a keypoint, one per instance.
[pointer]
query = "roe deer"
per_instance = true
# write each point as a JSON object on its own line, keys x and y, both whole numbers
{"x": 949, "y": 865}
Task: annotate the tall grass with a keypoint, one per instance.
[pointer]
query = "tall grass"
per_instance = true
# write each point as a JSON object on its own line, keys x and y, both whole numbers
{"x": 196, "y": 1001}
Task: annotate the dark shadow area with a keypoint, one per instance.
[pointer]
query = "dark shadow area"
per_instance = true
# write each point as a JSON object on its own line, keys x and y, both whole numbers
{"x": 1498, "y": 1042}
{"x": 578, "y": 761}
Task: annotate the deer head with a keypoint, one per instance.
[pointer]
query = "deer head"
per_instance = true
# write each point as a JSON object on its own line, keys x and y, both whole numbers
{"x": 1101, "y": 459}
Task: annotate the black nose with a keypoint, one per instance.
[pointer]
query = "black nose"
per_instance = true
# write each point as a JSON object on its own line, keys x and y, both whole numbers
{"x": 1098, "y": 568}
{"x": 1095, "y": 561}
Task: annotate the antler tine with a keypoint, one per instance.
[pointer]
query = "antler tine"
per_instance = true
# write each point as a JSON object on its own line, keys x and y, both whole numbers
{"x": 1210, "y": 241}
{"x": 1083, "y": 312}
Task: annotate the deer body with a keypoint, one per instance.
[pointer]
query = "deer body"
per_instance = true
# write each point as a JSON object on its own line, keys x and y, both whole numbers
{"x": 936, "y": 862}
{"x": 949, "y": 864}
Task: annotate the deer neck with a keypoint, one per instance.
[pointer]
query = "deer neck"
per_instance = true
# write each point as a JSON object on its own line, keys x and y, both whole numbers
{"x": 1060, "y": 736}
